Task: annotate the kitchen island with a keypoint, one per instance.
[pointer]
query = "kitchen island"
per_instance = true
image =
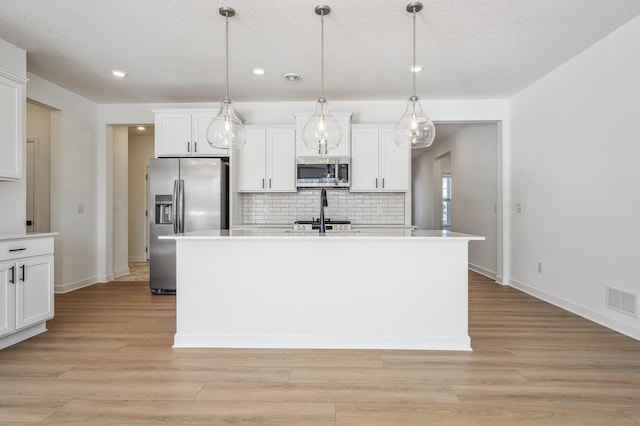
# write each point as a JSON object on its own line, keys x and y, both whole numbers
{"x": 391, "y": 289}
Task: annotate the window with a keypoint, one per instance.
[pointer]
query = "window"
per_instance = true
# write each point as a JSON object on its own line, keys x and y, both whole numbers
{"x": 446, "y": 201}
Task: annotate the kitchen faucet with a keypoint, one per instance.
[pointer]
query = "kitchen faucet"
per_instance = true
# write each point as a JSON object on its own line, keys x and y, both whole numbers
{"x": 323, "y": 204}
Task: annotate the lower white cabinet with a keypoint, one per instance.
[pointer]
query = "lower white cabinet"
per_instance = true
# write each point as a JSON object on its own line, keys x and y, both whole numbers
{"x": 267, "y": 161}
{"x": 26, "y": 288}
{"x": 377, "y": 163}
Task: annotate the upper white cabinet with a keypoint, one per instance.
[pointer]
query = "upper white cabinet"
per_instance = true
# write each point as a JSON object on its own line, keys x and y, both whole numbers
{"x": 183, "y": 133}
{"x": 343, "y": 150}
{"x": 377, "y": 163}
{"x": 267, "y": 161}
{"x": 12, "y": 110}
{"x": 26, "y": 288}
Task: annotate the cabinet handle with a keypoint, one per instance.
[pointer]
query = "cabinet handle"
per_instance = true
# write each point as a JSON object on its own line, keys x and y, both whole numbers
{"x": 18, "y": 249}
{"x": 195, "y": 146}
{"x": 269, "y": 182}
{"x": 376, "y": 182}
{"x": 262, "y": 183}
{"x": 188, "y": 146}
{"x": 22, "y": 267}
{"x": 383, "y": 182}
{"x": 12, "y": 280}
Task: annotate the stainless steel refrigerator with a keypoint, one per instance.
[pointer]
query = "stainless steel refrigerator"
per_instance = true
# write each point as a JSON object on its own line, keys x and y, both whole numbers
{"x": 186, "y": 194}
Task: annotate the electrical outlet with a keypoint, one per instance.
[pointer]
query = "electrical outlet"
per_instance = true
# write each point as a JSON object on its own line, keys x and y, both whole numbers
{"x": 79, "y": 208}
{"x": 539, "y": 267}
{"x": 518, "y": 207}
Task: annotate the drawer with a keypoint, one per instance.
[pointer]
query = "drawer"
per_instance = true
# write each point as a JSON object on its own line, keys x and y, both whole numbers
{"x": 16, "y": 249}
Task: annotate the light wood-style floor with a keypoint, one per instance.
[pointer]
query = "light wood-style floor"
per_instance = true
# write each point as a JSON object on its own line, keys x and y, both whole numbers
{"x": 107, "y": 359}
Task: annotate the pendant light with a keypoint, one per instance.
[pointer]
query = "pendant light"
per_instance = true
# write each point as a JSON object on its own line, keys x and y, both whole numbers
{"x": 322, "y": 131}
{"x": 414, "y": 129}
{"x": 226, "y": 130}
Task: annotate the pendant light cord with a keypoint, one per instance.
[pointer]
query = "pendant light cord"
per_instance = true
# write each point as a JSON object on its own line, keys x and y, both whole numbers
{"x": 414, "y": 52}
{"x": 226, "y": 83}
{"x": 322, "y": 51}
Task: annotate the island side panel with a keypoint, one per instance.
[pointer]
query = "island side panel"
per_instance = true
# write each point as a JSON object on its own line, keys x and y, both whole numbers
{"x": 322, "y": 293}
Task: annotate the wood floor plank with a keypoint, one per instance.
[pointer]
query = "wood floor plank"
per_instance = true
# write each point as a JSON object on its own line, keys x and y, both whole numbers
{"x": 194, "y": 412}
{"x": 327, "y": 392}
{"x": 23, "y": 410}
{"x": 477, "y": 415}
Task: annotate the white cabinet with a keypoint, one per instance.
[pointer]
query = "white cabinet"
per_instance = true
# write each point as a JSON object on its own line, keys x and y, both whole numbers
{"x": 26, "y": 288}
{"x": 343, "y": 150}
{"x": 183, "y": 133}
{"x": 268, "y": 160}
{"x": 12, "y": 110}
{"x": 377, "y": 163}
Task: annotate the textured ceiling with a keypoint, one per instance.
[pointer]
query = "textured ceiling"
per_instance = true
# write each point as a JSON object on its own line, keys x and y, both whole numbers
{"x": 173, "y": 50}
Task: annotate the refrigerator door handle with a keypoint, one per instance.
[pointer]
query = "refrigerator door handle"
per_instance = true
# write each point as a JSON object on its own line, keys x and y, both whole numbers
{"x": 181, "y": 208}
{"x": 174, "y": 206}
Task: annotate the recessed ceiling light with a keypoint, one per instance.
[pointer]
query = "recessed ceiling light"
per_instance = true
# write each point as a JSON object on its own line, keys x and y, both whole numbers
{"x": 141, "y": 128}
{"x": 258, "y": 71}
{"x": 119, "y": 73}
{"x": 291, "y": 76}
{"x": 415, "y": 68}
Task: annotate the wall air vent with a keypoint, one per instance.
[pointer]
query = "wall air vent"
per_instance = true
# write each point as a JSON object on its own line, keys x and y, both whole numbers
{"x": 622, "y": 301}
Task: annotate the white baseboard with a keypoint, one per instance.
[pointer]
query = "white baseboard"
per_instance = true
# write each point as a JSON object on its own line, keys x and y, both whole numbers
{"x": 482, "y": 271}
{"x": 137, "y": 259}
{"x": 598, "y": 318}
{"x": 121, "y": 273}
{"x": 68, "y": 287}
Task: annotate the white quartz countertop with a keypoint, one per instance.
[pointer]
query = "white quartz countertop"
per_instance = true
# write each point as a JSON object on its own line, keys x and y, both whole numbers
{"x": 7, "y": 237}
{"x": 292, "y": 235}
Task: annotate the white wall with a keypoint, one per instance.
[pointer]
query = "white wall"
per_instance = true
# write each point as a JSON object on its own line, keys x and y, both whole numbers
{"x": 471, "y": 156}
{"x": 120, "y": 201}
{"x": 574, "y": 167}
{"x": 13, "y": 195}
{"x": 73, "y": 181}
{"x": 39, "y": 128}
{"x": 141, "y": 149}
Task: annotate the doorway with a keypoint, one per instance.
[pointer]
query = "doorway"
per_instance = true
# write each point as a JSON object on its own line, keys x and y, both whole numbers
{"x": 465, "y": 157}
{"x": 38, "y": 168}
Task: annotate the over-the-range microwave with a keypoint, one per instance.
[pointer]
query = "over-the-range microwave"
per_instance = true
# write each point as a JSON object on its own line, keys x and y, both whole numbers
{"x": 316, "y": 172}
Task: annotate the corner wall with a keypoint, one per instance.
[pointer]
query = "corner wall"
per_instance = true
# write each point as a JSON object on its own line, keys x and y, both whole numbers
{"x": 574, "y": 169}
{"x": 73, "y": 182}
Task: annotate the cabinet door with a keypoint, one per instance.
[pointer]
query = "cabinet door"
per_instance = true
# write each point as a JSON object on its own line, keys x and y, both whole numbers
{"x": 395, "y": 163}
{"x": 251, "y": 161}
{"x": 173, "y": 134}
{"x": 34, "y": 291}
{"x": 281, "y": 160}
{"x": 7, "y": 297}
{"x": 200, "y": 122}
{"x": 343, "y": 149}
{"x": 364, "y": 159}
{"x": 11, "y": 110}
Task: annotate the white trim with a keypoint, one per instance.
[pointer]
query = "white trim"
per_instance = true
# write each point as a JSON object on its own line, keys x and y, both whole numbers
{"x": 482, "y": 271}
{"x": 137, "y": 259}
{"x": 121, "y": 273}
{"x": 69, "y": 287}
{"x": 456, "y": 343}
{"x": 24, "y": 334}
{"x": 615, "y": 325}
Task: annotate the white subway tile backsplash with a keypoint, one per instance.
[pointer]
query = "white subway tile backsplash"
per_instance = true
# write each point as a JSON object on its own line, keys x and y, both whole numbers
{"x": 360, "y": 208}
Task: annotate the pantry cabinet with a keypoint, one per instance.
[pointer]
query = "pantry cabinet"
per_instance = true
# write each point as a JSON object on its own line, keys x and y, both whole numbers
{"x": 267, "y": 161}
{"x": 26, "y": 287}
{"x": 183, "y": 133}
{"x": 377, "y": 163}
{"x": 12, "y": 110}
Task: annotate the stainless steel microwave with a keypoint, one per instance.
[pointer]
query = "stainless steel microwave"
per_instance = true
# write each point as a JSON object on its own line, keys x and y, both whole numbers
{"x": 315, "y": 172}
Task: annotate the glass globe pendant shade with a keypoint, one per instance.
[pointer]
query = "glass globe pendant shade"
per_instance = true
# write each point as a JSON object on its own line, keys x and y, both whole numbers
{"x": 322, "y": 131}
{"x": 414, "y": 129}
{"x": 226, "y": 129}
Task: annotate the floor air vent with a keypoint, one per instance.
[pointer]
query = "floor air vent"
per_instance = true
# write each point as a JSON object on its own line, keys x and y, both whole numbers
{"x": 622, "y": 301}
